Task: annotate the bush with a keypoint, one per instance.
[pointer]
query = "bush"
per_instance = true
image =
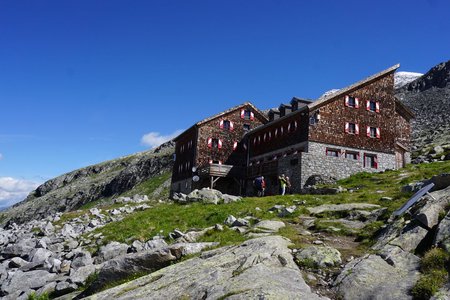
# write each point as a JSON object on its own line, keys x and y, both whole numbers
{"x": 435, "y": 259}
{"x": 429, "y": 284}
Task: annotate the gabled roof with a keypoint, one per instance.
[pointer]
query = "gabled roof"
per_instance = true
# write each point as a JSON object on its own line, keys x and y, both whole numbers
{"x": 350, "y": 88}
{"x": 301, "y": 100}
{"x": 260, "y": 113}
{"x": 403, "y": 109}
{"x": 245, "y": 104}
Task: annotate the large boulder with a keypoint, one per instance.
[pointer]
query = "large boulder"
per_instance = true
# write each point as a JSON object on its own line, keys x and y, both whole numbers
{"x": 110, "y": 251}
{"x": 389, "y": 275}
{"x": 205, "y": 195}
{"x": 146, "y": 261}
{"x": 319, "y": 256}
{"x": 22, "y": 248}
{"x": 333, "y": 208}
{"x": 261, "y": 268}
{"x": 23, "y": 281}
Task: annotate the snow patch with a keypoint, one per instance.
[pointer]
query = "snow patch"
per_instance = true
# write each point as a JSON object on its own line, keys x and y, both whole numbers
{"x": 403, "y": 78}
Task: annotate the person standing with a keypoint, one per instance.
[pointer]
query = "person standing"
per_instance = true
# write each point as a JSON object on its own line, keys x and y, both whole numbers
{"x": 282, "y": 180}
{"x": 288, "y": 186}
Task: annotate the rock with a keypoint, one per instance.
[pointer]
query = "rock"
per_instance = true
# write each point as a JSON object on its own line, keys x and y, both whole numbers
{"x": 17, "y": 262}
{"x": 71, "y": 244}
{"x": 387, "y": 199}
{"x": 375, "y": 277}
{"x": 47, "y": 289}
{"x": 22, "y": 248}
{"x": 287, "y": 211}
{"x": 442, "y": 238}
{"x": 53, "y": 264}
{"x": 79, "y": 276}
{"x": 65, "y": 266}
{"x": 429, "y": 213}
{"x": 441, "y": 181}
{"x": 110, "y": 251}
{"x": 81, "y": 258}
{"x": 230, "y": 198}
{"x": 64, "y": 287}
{"x": 320, "y": 256}
{"x": 260, "y": 268}
{"x": 230, "y": 220}
{"x": 23, "y": 281}
{"x": 179, "y": 198}
{"x": 39, "y": 255}
{"x": 341, "y": 207}
{"x": 176, "y": 234}
{"x": 277, "y": 207}
{"x": 205, "y": 195}
{"x": 155, "y": 244}
{"x": 272, "y": 226}
{"x": 137, "y": 246}
{"x": 94, "y": 223}
{"x": 240, "y": 222}
{"x": 319, "y": 179}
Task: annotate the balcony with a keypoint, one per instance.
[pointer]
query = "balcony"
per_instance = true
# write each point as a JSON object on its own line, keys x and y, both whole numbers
{"x": 217, "y": 170}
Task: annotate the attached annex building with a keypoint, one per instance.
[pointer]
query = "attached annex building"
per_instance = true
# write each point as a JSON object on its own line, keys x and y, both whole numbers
{"x": 362, "y": 127}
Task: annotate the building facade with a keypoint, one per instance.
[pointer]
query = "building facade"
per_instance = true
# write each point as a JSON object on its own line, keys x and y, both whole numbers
{"x": 362, "y": 127}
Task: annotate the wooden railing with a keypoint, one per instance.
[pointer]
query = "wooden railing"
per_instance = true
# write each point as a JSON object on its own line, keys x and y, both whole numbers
{"x": 222, "y": 171}
{"x": 266, "y": 168}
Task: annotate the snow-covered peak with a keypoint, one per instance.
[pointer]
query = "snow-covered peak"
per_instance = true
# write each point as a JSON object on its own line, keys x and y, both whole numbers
{"x": 403, "y": 78}
{"x": 328, "y": 93}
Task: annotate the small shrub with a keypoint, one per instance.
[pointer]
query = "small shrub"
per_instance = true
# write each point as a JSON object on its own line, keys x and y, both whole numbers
{"x": 34, "y": 296}
{"x": 429, "y": 284}
{"x": 435, "y": 259}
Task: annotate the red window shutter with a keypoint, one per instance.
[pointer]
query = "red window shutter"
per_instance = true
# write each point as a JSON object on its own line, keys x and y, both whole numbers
{"x": 347, "y": 125}
{"x": 220, "y": 162}
{"x": 357, "y": 155}
{"x": 209, "y": 142}
{"x": 375, "y": 162}
{"x": 356, "y": 128}
{"x": 235, "y": 145}
{"x": 367, "y": 105}
{"x": 346, "y": 100}
{"x": 210, "y": 161}
{"x": 377, "y": 107}
{"x": 219, "y": 144}
{"x": 378, "y": 133}
{"x": 231, "y": 126}
{"x": 356, "y": 102}
{"x": 242, "y": 113}
{"x": 221, "y": 124}
{"x": 252, "y": 116}
{"x": 368, "y": 131}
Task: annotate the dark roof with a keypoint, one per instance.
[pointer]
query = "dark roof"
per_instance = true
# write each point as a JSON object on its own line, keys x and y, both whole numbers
{"x": 329, "y": 98}
{"x": 258, "y": 112}
{"x": 404, "y": 110}
{"x": 302, "y": 100}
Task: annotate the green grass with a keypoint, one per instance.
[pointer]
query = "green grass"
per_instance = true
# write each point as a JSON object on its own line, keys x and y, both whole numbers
{"x": 367, "y": 188}
{"x": 434, "y": 274}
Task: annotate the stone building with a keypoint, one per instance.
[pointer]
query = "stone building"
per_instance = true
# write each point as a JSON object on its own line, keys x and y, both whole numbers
{"x": 213, "y": 148}
{"x": 362, "y": 127}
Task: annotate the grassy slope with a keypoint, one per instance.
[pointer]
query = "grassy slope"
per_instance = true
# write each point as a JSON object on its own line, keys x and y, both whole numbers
{"x": 165, "y": 217}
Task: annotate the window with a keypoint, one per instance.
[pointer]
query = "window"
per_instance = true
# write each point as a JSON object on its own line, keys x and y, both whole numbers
{"x": 351, "y": 128}
{"x": 352, "y": 155}
{"x": 294, "y": 162}
{"x": 373, "y": 132}
{"x": 247, "y": 114}
{"x": 351, "y": 102}
{"x": 370, "y": 161}
{"x": 373, "y": 106}
{"x": 227, "y": 125}
{"x": 246, "y": 127}
{"x": 214, "y": 143}
{"x": 332, "y": 152}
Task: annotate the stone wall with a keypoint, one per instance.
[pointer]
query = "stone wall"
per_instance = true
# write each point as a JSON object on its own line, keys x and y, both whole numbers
{"x": 182, "y": 186}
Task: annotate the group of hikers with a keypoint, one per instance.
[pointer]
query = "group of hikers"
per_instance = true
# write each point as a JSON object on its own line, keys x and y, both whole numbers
{"x": 260, "y": 185}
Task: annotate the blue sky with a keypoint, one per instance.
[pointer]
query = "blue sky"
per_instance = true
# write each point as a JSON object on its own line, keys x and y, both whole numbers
{"x": 84, "y": 81}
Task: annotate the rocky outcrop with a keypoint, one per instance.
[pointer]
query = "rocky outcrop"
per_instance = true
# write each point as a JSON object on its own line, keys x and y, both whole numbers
{"x": 258, "y": 268}
{"x": 72, "y": 190}
{"x": 429, "y": 98}
{"x": 394, "y": 269}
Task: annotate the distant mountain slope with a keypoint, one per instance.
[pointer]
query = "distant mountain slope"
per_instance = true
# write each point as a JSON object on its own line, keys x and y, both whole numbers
{"x": 429, "y": 97}
{"x": 72, "y": 190}
{"x": 403, "y": 78}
